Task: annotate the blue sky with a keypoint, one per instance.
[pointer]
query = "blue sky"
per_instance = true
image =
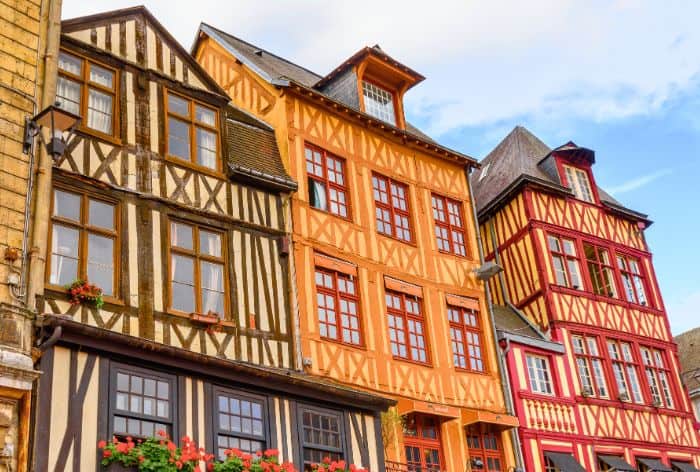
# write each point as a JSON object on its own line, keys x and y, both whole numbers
{"x": 621, "y": 77}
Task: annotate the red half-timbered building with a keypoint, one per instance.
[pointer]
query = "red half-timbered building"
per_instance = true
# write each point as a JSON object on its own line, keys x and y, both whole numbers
{"x": 593, "y": 368}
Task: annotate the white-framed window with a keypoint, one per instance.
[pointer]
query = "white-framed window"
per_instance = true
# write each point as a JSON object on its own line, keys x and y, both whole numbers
{"x": 589, "y": 363}
{"x": 565, "y": 261}
{"x": 579, "y": 183}
{"x": 539, "y": 373}
{"x": 379, "y": 102}
{"x": 658, "y": 376}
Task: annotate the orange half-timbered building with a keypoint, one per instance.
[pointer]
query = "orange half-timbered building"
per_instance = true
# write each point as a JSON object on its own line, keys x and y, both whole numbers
{"x": 593, "y": 368}
{"x": 385, "y": 249}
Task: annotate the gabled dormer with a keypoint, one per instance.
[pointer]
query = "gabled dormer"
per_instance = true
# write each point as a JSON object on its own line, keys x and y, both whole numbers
{"x": 571, "y": 166}
{"x": 372, "y": 82}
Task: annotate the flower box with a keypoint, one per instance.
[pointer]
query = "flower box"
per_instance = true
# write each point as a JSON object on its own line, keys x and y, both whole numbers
{"x": 208, "y": 319}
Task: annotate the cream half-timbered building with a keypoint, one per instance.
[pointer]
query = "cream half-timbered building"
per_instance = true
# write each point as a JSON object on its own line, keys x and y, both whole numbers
{"x": 176, "y": 206}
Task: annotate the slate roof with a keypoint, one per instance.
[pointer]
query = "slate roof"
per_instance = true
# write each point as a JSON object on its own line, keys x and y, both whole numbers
{"x": 689, "y": 356}
{"x": 512, "y": 324}
{"x": 521, "y": 156}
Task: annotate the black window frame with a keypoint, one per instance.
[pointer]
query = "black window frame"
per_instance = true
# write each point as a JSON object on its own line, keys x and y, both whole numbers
{"x": 244, "y": 395}
{"x": 303, "y": 445}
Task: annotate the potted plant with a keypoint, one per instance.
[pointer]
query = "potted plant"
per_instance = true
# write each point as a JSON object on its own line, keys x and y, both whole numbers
{"x": 328, "y": 465}
{"x": 210, "y": 318}
{"x": 81, "y": 292}
{"x": 237, "y": 461}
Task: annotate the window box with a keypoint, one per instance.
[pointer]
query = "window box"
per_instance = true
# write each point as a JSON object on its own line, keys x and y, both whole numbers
{"x": 208, "y": 319}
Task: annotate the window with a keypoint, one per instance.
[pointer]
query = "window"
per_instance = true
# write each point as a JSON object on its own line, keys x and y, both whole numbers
{"x": 240, "y": 422}
{"x": 422, "y": 443}
{"x": 141, "y": 402}
{"x": 565, "y": 261}
{"x": 658, "y": 376}
{"x": 579, "y": 183}
{"x": 338, "y": 306}
{"x": 328, "y": 189}
{"x": 601, "y": 270}
{"x": 84, "y": 241}
{"x": 485, "y": 449}
{"x": 379, "y": 102}
{"x": 466, "y": 337}
{"x": 449, "y": 225}
{"x": 322, "y": 436}
{"x": 540, "y": 378}
{"x": 632, "y": 279}
{"x": 391, "y": 207}
{"x": 193, "y": 133}
{"x": 549, "y": 466}
{"x": 406, "y": 328}
{"x": 87, "y": 89}
{"x": 589, "y": 363}
{"x": 625, "y": 371}
{"x": 197, "y": 271}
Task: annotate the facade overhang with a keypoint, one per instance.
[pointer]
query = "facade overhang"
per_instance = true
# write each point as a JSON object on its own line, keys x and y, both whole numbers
{"x": 409, "y": 405}
{"x": 499, "y": 421}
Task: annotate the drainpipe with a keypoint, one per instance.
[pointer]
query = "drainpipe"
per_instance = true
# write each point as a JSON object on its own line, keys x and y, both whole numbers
{"x": 505, "y": 384}
{"x": 293, "y": 291}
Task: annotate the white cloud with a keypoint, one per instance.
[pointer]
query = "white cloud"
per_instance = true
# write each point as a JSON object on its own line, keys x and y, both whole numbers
{"x": 638, "y": 182}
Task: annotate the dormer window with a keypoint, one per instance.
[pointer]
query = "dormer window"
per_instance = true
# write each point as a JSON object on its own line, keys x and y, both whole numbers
{"x": 379, "y": 102}
{"x": 579, "y": 183}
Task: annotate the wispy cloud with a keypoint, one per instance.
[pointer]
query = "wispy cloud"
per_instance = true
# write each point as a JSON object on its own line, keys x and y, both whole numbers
{"x": 638, "y": 182}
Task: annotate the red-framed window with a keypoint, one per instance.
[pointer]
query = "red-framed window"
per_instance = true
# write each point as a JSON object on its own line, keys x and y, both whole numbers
{"x": 589, "y": 363}
{"x": 658, "y": 377}
{"x": 391, "y": 208}
{"x": 466, "y": 336}
{"x": 406, "y": 327}
{"x": 600, "y": 270}
{"x": 338, "y": 307}
{"x": 633, "y": 279}
{"x": 449, "y": 225}
{"x": 540, "y": 374}
{"x": 422, "y": 443}
{"x": 485, "y": 449}
{"x": 565, "y": 261}
{"x": 625, "y": 371}
{"x": 328, "y": 188}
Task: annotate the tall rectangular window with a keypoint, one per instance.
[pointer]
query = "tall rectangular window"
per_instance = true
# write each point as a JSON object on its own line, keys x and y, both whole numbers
{"x": 379, "y": 102}
{"x": 485, "y": 449}
{"x": 601, "y": 270}
{"x": 197, "y": 269}
{"x": 632, "y": 279}
{"x": 658, "y": 377}
{"x": 322, "y": 436}
{"x": 84, "y": 240}
{"x": 539, "y": 373}
{"x": 406, "y": 327}
{"x": 240, "y": 422}
{"x": 88, "y": 90}
{"x": 449, "y": 225}
{"x": 193, "y": 131}
{"x": 422, "y": 443}
{"x": 589, "y": 363}
{"x": 466, "y": 337}
{"x": 391, "y": 207}
{"x": 625, "y": 371}
{"x": 338, "y": 307}
{"x": 579, "y": 183}
{"x": 565, "y": 261}
{"x": 328, "y": 189}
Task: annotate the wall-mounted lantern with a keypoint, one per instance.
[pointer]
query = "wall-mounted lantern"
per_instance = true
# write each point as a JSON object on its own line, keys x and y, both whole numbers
{"x": 57, "y": 121}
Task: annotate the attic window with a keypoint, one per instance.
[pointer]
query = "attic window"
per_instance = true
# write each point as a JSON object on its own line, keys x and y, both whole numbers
{"x": 379, "y": 102}
{"x": 579, "y": 183}
{"x": 484, "y": 172}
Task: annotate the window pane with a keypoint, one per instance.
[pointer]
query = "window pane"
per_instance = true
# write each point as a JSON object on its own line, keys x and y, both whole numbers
{"x": 70, "y": 64}
{"x": 178, "y": 105}
{"x": 205, "y": 115}
{"x": 183, "y": 269}
{"x": 64, "y": 255}
{"x": 101, "y": 76}
{"x": 68, "y": 95}
{"x": 101, "y": 214}
{"x": 210, "y": 243}
{"x": 100, "y": 265}
{"x": 66, "y": 205}
{"x": 206, "y": 148}
{"x": 178, "y": 138}
{"x": 183, "y": 297}
{"x": 181, "y": 235}
{"x": 317, "y": 194}
{"x": 379, "y": 102}
{"x": 100, "y": 111}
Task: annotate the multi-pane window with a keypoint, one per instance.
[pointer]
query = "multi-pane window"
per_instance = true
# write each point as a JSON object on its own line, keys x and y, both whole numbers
{"x": 549, "y": 465}
{"x": 84, "y": 241}
{"x": 328, "y": 190}
{"x": 321, "y": 436}
{"x": 449, "y": 225}
{"x": 193, "y": 133}
{"x": 540, "y": 377}
{"x": 338, "y": 306}
{"x": 485, "y": 449}
{"x": 240, "y": 422}
{"x": 197, "y": 271}
{"x": 87, "y": 89}
{"x": 600, "y": 269}
{"x": 565, "y": 261}
{"x": 379, "y": 102}
{"x": 406, "y": 327}
{"x": 466, "y": 337}
{"x": 141, "y": 402}
{"x": 579, "y": 183}
{"x": 589, "y": 363}
{"x": 632, "y": 279}
{"x": 422, "y": 443}
{"x": 625, "y": 371}
{"x": 658, "y": 376}
{"x": 391, "y": 207}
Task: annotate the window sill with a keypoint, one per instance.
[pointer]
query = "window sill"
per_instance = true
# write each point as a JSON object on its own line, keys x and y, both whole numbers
{"x": 529, "y": 395}
{"x": 461, "y": 370}
{"x": 359, "y": 347}
{"x": 411, "y": 243}
{"x": 410, "y": 361}
{"x": 629, "y": 405}
{"x": 58, "y": 291}
{"x": 450, "y": 253}
{"x": 329, "y": 213}
{"x": 178, "y": 161}
{"x": 604, "y": 299}
{"x": 91, "y": 133}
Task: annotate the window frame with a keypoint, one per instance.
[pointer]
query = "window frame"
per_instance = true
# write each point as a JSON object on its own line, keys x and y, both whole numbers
{"x": 326, "y": 182}
{"x": 383, "y": 88}
{"x": 599, "y": 267}
{"x": 447, "y": 225}
{"x": 318, "y": 410}
{"x": 84, "y": 230}
{"x": 216, "y": 431}
{"x": 484, "y": 453}
{"x": 567, "y": 260}
{"x": 548, "y": 370}
{"x": 589, "y": 359}
{"x": 626, "y": 364}
{"x": 192, "y": 124}
{"x": 421, "y": 442}
{"x": 635, "y": 278}
{"x": 652, "y": 371}
{"x": 197, "y": 257}
{"x": 405, "y": 317}
{"x": 476, "y": 330}
{"x": 85, "y": 84}
{"x": 393, "y": 210}
{"x": 337, "y": 297}
{"x": 577, "y": 188}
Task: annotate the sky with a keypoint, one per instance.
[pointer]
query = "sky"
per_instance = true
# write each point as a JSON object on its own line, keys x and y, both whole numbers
{"x": 620, "y": 77}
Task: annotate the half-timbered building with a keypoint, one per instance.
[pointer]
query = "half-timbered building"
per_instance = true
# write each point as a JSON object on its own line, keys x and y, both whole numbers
{"x": 177, "y": 206}
{"x": 384, "y": 250}
{"x": 592, "y": 365}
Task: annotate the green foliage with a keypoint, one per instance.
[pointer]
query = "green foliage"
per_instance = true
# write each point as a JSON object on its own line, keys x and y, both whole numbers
{"x": 83, "y": 292}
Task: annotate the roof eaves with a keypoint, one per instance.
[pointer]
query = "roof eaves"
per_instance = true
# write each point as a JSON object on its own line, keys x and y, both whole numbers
{"x": 627, "y": 211}
{"x": 533, "y": 342}
{"x": 279, "y": 183}
{"x": 506, "y": 192}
